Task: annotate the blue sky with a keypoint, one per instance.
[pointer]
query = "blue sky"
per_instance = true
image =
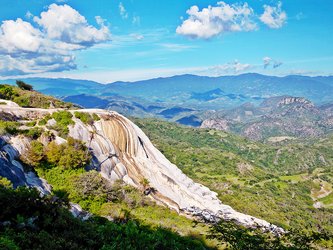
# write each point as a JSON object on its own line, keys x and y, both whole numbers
{"x": 107, "y": 40}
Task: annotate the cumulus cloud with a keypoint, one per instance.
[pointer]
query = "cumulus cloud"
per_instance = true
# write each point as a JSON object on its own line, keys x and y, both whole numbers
{"x": 47, "y": 47}
{"x": 122, "y": 11}
{"x": 212, "y": 21}
{"x": 274, "y": 17}
{"x": 268, "y": 61}
{"x": 66, "y": 24}
{"x": 234, "y": 67}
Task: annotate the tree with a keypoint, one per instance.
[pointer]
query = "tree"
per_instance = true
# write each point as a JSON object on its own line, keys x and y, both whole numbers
{"x": 23, "y": 85}
{"x": 34, "y": 154}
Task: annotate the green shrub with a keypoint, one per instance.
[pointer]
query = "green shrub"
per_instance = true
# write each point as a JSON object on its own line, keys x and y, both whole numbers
{"x": 33, "y": 133}
{"x": 95, "y": 117}
{"x": 45, "y": 119}
{"x": 34, "y": 154}
{"x": 63, "y": 119}
{"x": 31, "y": 123}
{"x": 8, "y": 127}
{"x": 71, "y": 155}
{"x": 6, "y": 92}
{"x": 84, "y": 117}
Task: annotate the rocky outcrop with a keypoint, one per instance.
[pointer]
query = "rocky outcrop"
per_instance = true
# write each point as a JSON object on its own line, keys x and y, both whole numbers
{"x": 122, "y": 151}
{"x": 219, "y": 124}
{"x": 12, "y": 169}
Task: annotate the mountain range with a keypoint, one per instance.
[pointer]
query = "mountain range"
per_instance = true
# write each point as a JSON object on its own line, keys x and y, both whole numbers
{"x": 199, "y": 100}
{"x": 191, "y": 90}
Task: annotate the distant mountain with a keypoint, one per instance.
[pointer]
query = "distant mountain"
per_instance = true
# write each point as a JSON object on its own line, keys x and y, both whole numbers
{"x": 283, "y": 117}
{"x": 226, "y": 91}
{"x": 193, "y": 94}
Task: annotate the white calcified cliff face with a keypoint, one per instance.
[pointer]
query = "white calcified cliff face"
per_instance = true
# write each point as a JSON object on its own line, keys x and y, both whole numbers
{"x": 122, "y": 151}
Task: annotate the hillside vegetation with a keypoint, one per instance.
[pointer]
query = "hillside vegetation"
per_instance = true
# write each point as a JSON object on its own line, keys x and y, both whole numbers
{"x": 26, "y": 97}
{"x": 278, "y": 183}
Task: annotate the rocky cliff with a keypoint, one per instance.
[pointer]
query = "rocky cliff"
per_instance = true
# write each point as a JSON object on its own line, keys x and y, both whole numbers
{"x": 122, "y": 151}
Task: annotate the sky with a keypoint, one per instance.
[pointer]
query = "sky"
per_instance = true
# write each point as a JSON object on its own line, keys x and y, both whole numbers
{"x": 128, "y": 40}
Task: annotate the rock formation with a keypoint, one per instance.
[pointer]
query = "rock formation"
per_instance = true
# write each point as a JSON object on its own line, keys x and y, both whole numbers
{"x": 122, "y": 151}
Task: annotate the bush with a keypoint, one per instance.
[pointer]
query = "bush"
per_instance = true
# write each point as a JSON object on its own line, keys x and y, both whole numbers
{"x": 45, "y": 119}
{"x": 33, "y": 133}
{"x": 95, "y": 117}
{"x": 31, "y": 124}
{"x": 84, "y": 117}
{"x": 71, "y": 155}
{"x": 8, "y": 127}
{"x": 63, "y": 119}
{"x": 92, "y": 186}
{"x": 6, "y": 92}
{"x": 34, "y": 154}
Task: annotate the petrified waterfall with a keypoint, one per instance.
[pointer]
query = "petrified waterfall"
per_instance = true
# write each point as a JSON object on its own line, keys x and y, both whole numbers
{"x": 122, "y": 151}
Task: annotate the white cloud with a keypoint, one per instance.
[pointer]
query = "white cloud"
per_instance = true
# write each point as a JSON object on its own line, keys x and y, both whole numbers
{"x": 268, "y": 61}
{"x": 19, "y": 36}
{"x": 231, "y": 67}
{"x": 122, "y": 11}
{"x": 64, "y": 23}
{"x": 176, "y": 46}
{"x": 26, "y": 49}
{"x": 274, "y": 17}
{"x": 212, "y": 21}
